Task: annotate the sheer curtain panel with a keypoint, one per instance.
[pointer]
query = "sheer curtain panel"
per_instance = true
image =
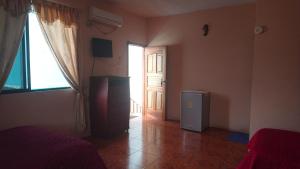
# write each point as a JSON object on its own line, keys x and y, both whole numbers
{"x": 60, "y": 26}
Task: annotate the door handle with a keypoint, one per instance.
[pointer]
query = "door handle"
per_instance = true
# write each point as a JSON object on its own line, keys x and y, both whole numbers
{"x": 163, "y": 82}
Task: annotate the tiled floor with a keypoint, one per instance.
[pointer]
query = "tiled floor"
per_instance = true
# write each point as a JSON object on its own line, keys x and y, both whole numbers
{"x": 153, "y": 144}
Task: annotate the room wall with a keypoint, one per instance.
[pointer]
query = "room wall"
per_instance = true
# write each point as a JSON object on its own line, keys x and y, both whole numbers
{"x": 275, "y": 99}
{"x": 55, "y": 109}
{"x": 220, "y": 63}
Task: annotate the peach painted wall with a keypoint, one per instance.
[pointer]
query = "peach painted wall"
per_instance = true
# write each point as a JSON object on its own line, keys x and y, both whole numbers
{"x": 220, "y": 63}
{"x": 275, "y": 99}
{"x": 54, "y": 109}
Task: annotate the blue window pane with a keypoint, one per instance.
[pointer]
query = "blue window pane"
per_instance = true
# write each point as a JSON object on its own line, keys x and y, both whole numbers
{"x": 15, "y": 79}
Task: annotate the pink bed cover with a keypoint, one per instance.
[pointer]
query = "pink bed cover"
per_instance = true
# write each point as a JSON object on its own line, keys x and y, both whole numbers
{"x": 273, "y": 149}
{"x": 36, "y": 148}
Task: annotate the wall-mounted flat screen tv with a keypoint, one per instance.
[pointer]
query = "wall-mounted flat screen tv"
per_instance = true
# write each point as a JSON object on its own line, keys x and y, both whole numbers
{"x": 101, "y": 48}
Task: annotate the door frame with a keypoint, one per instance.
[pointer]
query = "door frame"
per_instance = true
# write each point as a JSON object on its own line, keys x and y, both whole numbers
{"x": 127, "y": 48}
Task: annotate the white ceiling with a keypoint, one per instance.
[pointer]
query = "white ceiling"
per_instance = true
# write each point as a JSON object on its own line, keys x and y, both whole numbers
{"x": 153, "y": 8}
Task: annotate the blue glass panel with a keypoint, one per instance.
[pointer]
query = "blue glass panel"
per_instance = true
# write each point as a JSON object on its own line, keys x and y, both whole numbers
{"x": 15, "y": 79}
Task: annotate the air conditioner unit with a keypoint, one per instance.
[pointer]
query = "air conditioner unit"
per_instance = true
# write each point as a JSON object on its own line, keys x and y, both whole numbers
{"x": 104, "y": 17}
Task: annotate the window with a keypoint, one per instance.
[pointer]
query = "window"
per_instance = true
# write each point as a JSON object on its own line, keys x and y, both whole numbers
{"x": 35, "y": 67}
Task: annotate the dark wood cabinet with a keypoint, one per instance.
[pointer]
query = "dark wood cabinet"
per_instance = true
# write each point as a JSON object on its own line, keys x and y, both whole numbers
{"x": 109, "y": 105}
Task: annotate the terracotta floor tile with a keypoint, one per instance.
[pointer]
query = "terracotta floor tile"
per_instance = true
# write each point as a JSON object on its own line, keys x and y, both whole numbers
{"x": 151, "y": 144}
{"x": 124, "y": 165}
{"x": 141, "y": 159}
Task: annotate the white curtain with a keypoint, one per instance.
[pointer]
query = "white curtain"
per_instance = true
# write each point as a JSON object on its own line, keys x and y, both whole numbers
{"x": 13, "y": 14}
{"x": 60, "y": 26}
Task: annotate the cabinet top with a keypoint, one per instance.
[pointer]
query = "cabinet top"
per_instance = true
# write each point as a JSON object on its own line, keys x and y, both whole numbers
{"x": 194, "y": 91}
{"x": 110, "y": 77}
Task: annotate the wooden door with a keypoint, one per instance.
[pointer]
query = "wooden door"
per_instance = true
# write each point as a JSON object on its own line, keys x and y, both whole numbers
{"x": 155, "y": 82}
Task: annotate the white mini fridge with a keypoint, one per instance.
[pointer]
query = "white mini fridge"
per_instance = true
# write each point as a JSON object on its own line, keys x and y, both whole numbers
{"x": 194, "y": 114}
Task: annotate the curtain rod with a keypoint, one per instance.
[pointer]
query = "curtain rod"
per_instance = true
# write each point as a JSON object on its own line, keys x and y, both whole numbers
{"x": 58, "y": 2}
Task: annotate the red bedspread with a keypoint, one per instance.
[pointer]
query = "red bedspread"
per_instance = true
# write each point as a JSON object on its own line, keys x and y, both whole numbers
{"x": 35, "y": 148}
{"x": 273, "y": 149}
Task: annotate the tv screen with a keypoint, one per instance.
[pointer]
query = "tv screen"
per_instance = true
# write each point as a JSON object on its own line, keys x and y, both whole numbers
{"x": 101, "y": 47}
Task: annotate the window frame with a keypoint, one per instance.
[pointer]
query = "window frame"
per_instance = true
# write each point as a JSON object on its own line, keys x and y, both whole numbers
{"x": 26, "y": 67}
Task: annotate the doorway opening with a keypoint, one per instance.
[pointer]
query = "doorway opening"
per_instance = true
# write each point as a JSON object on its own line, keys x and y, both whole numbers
{"x": 136, "y": 74}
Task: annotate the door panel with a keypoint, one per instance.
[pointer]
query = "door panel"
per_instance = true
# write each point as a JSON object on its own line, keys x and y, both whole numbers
{"x": 150, "y": 64}
{"x": 155, "y": 83}
{"x": 159, "y": 65}
{"x": 159, "y": 96}
{"x": 149, "y": 100}
{"x": 153, "y": 63}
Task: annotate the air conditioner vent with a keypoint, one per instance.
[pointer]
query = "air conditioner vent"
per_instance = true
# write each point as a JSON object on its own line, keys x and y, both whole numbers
{"x": 104, "y": 17}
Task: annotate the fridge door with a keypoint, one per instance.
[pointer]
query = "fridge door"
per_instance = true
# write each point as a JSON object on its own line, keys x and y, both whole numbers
{"x": 191, "y": 111}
